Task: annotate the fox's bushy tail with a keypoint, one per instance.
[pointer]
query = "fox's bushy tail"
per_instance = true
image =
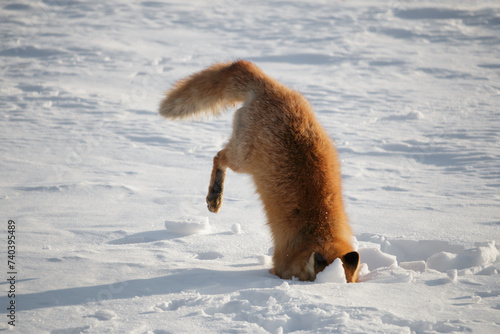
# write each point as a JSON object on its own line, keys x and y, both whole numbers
{"x": 212, "y": 90}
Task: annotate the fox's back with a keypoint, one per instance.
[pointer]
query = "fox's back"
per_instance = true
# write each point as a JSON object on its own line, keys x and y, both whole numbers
{"x": 294, "y": 162}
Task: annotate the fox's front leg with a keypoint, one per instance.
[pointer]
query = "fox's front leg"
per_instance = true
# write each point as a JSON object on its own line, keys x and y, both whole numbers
{"x": 216, "y": 187}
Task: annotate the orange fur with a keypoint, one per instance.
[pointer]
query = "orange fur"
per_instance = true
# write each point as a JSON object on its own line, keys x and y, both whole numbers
{"x": 277, "y": 139}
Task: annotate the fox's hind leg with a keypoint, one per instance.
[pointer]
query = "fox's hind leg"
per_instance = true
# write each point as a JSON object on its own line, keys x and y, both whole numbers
{"x": 216, "y": 186}
{"x": 236, "y": 156}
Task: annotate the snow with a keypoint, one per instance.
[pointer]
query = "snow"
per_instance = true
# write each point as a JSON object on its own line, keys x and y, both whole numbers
{"x": 112, "y": 230}
{"x": 333, "y": 273}
{"x": 188, "y": 225}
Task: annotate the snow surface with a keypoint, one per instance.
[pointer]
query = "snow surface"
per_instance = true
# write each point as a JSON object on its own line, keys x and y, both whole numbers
{"x": 113, "y": 234}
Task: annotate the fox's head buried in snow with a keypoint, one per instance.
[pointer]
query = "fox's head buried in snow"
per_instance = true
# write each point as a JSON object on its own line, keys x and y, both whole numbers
{"x": 276, "y": 139}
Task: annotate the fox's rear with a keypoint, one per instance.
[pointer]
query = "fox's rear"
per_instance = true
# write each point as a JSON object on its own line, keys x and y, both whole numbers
{"x": 277, "y": 139}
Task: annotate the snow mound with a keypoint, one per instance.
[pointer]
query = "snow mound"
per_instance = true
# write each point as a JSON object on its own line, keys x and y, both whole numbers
{"x": 418, "y": 256}
{"x": 105, "y": 315}
{"x": 236, "y": 228}
{"x": 375, "y": 259}
{"x": 188, "y": 225}
{"x": 418, "y": 266}
{"x": 473, "y": 259}
{"x": 264, "y": 260}
{"x": 334, "y": 273}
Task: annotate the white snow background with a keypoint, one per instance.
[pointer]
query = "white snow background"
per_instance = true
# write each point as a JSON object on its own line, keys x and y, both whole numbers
{"x": 112, "y": 230}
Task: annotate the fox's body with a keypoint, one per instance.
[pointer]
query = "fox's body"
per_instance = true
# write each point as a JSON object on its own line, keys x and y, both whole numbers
{"x": 277, "y": 139}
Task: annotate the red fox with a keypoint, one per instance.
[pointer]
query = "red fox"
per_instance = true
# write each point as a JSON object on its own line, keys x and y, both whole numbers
{"x": 277, "y": 139}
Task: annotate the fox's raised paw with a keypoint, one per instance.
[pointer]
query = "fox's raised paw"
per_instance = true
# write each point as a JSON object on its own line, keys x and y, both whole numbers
{"x": 215, "y": 190}
{"x": 214, "y": 201}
